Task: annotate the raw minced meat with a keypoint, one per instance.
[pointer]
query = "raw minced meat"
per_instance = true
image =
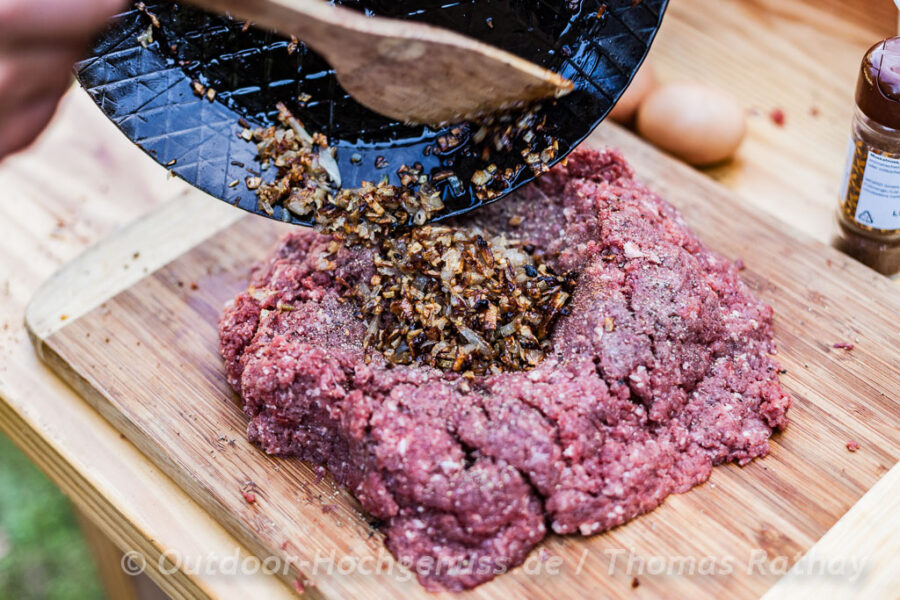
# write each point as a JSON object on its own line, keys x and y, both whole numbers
{"x": 660, "y": 370}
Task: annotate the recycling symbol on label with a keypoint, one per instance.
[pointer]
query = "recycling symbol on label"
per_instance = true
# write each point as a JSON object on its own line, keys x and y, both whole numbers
{"x": 865, "y": 217}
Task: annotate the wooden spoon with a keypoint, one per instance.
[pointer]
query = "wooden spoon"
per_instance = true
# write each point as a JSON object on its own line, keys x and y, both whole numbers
{"x": 407, "y": 71}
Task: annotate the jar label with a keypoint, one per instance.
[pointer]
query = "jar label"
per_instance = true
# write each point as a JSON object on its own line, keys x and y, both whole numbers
{"x": 872, "y": 189}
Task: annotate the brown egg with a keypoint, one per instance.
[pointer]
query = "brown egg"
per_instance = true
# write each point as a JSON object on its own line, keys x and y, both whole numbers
{"x": 625, "y": 109}
{"x": 699, "y": 124}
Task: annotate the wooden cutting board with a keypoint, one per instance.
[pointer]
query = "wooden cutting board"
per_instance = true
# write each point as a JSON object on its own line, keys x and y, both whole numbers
{"x": 139, "y": 343}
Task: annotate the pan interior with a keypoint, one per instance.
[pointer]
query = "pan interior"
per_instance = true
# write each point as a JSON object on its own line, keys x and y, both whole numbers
{"x": 147, "y": 87}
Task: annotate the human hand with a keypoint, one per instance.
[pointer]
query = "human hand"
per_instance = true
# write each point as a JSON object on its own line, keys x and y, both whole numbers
{"x": 39, "y": 42}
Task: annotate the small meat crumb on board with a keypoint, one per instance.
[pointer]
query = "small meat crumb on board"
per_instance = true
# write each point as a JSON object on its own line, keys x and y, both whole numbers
{"x": 843, "y": 346}
{"x": 852, "y": 445}
{"x": 778, "y": 117}
{"x": 249, "y": 497}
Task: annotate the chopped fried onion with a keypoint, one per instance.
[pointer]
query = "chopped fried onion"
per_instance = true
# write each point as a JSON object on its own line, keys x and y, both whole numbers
{"x": 308, "y": 184}
{"x": 460, "y": 299}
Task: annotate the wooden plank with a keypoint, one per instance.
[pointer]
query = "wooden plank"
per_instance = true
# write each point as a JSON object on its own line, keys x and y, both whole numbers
{"x": 99, "y": 181}
{"x": 124, "y": 260}
{"x": 159, "y": 380}
{"x": 108, "y": 559}
{"x": 866, "y": 529}
{"x": 135, "y": 518}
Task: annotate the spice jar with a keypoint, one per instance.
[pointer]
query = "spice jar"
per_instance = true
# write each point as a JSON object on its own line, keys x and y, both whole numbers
{"x": 869, "y": 212}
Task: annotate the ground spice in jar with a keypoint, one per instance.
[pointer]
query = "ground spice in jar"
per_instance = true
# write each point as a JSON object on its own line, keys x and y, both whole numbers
{"x": 869, "y": 213}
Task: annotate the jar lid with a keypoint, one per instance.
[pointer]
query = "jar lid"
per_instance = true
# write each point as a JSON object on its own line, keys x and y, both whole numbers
{"x": 878, "y": 90}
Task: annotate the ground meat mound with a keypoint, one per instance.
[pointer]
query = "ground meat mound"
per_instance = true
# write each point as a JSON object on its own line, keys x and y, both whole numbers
{"x": 659, "y": 371}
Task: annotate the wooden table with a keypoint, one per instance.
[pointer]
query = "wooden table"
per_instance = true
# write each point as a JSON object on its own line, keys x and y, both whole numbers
{"x": 83, "y": 180}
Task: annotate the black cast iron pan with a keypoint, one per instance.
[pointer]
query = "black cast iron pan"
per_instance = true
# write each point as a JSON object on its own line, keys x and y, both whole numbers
{"x": 146, "y": 88}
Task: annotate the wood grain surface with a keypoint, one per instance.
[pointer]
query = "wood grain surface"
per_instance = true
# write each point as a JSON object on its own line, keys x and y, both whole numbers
{"x": 82, "y": 182}
{"x": 146, "y": 359}
{"x": 797, "y": 56}
{"x": 99, "y": 182}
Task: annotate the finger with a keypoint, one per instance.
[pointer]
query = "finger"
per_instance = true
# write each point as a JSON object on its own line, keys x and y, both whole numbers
{"x": 19, "y": 129}
{"x": 33, "y": 20}
{"x": 32, "y": 73}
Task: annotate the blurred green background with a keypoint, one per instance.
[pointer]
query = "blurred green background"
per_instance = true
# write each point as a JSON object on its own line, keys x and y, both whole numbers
{"x": 42, "y": 553}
